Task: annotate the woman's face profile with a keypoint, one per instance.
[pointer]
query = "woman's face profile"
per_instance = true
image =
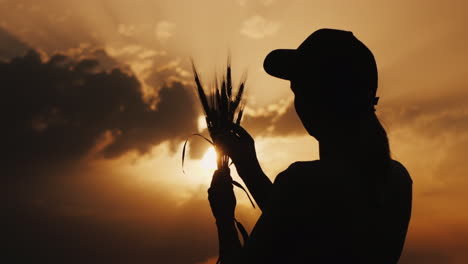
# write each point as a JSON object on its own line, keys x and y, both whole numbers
{"x": 310, "y": 105}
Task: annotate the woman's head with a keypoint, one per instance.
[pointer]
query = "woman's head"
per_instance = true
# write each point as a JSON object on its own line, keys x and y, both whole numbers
{"x": 334, "y": 79}
{"x": 333, "y": 76}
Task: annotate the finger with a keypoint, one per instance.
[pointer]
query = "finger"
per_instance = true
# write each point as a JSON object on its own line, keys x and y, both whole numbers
{"x": 227, "y": 137}
{"x": 223, "y": 140}
{"x": 226, "y": 142}
{"x": 239, "y": 130}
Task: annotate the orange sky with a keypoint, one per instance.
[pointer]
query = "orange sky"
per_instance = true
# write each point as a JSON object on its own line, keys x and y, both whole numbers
{"x": 94, "y": 158}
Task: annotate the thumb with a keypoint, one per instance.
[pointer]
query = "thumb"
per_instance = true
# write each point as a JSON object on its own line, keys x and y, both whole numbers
{"x": 242, "y": 132}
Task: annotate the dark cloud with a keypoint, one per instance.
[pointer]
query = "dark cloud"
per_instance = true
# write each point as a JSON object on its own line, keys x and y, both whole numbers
{"x": 11, "y": 46}
{"x": 161, "y": 76}
{"x": 61, "y": 109}
{"x": 105, "y": 62}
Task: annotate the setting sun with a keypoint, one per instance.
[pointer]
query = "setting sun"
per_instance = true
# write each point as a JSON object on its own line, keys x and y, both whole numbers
{"x": 209, "y": 159}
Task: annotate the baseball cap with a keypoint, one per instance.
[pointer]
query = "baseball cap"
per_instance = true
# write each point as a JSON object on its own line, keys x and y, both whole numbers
{"x": 329, "y": 52}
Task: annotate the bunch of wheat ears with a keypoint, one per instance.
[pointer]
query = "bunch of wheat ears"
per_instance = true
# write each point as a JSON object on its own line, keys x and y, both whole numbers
{"x": 223, "y": 108}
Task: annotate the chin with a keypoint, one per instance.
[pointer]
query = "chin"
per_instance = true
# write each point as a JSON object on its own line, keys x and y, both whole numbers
{"x": 312, "y": 132}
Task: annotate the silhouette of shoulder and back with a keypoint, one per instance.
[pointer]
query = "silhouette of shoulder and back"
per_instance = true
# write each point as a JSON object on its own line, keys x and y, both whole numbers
{"x": 316, "y": 217}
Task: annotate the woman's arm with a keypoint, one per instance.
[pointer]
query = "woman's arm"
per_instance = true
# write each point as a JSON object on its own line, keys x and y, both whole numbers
{"x": 255, "y": 179}
{"x": 223, "y": 202}
{"x": 229, "y": 244}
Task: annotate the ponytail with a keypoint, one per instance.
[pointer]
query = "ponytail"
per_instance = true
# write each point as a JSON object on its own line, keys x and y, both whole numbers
{"x": 375, "y": 157}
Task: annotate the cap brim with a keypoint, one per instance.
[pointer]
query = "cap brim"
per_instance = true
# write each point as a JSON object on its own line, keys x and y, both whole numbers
{"x": 281, "y": 63}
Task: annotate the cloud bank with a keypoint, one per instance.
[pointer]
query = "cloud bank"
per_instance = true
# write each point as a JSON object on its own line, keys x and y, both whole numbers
{"x": 61, "y": 109}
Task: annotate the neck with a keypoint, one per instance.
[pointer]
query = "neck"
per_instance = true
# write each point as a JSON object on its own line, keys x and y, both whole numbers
{"x": 339, "y": 148}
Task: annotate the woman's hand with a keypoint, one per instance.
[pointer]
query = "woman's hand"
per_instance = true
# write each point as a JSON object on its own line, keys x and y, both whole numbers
{"x": 238, "y": 145}
{"x": 221, "y": 196}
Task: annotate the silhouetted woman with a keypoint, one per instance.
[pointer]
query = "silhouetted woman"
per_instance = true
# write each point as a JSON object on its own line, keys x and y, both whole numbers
{"x": 351, "y": 206}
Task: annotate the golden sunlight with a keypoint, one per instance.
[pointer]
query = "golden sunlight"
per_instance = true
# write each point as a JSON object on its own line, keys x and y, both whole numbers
{"x": 201, "y": 123}
{"x": 209, "y": 159}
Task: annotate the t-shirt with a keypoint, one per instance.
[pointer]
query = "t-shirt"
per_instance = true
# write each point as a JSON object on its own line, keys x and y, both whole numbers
{"x": 320, "y": 214}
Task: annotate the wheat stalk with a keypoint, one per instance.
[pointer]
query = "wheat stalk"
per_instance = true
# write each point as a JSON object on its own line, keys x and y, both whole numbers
{"x": 223, "y": 110}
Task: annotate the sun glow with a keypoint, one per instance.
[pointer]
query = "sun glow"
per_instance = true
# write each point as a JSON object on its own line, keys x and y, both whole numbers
{"x": 209, "y": 159}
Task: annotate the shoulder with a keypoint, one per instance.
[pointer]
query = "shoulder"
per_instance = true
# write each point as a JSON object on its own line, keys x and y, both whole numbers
{"x": 399, "y": 187}
{"x": 292, "y": 187}
{"x": 297, "y": 171}
{"x": 399, "y": 171}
